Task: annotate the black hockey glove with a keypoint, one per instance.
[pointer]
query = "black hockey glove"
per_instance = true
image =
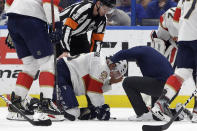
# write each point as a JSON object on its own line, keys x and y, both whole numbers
{"x": 87, "y": 113}
{"x": 56, "y": 35}
{"x": 103, "y": 112}
{"x": 9, "y": 42}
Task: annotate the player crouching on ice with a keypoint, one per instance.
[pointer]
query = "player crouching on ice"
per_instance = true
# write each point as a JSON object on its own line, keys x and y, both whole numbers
{"x": 155, "y": 69}
{"x": 87, "y": 74}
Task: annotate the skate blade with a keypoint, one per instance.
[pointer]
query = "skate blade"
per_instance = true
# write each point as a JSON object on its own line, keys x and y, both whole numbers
{"x": 17, "y": 117}
{"x": 56, "y": 118}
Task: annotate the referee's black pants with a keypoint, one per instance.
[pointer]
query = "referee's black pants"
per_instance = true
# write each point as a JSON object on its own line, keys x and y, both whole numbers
{"x": 79, "y": 44}
{"x": 135, "y": 85}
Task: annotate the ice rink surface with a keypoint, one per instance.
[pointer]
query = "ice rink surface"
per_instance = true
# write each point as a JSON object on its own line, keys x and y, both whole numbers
{"x": 120, "y": 124}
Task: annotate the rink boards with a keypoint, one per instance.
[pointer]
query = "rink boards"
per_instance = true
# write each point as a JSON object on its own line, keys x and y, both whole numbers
{"x": 115, "y": 39}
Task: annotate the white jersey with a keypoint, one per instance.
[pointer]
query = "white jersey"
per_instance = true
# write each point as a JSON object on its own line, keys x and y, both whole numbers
{"x": 34, "y": 8}
{"x": 90, "y": 73}
{"x": 187, "y": 23}
{"x": 167, "y": 30}
{"x": 3, "y": 18}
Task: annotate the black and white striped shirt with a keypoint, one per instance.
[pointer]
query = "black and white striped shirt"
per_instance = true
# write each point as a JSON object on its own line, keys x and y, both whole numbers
{"x": 78, "y": 19}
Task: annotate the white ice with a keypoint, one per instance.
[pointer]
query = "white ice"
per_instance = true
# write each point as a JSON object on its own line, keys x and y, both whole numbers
{"x": 120, "y": 124}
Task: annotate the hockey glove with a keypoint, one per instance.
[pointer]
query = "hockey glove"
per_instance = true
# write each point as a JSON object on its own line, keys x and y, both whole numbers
{"x": 87, "y": 113}
{"x": 56, "y": 35}
{"x": 103, "y": 112}
{"x": 9, "y": 42}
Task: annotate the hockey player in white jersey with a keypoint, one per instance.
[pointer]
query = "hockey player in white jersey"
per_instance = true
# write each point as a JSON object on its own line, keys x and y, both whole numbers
{"x": 90, "y": 74}
{"x": 186, "y": 58}
{"x": 165, "y": 38}
{"x": 27, "y": 25}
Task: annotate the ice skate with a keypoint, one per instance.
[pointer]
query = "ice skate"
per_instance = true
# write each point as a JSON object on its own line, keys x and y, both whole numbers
{"x": 161, "y": 110}
{"x": 194, "y": 117}
{"x": 12, "y": 114}
{"x": 48, "y": 107}
{"x": 185, "y": 114}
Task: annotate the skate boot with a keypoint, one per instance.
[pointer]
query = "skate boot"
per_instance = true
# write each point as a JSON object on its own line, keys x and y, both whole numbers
{"x": 145, "y": 117}
{"x": 194, "y": 118}
{"x": 12, "y": 114}
{"x": 48, "y": 108}
{"x": 161, "y": 110}
{"x": 184, "y": 114}
{"x": 194, "y": 113}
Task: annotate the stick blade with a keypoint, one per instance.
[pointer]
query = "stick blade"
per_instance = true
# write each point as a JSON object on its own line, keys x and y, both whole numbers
{"x": 42, "y": 123}
{"x": 151, "y": 128}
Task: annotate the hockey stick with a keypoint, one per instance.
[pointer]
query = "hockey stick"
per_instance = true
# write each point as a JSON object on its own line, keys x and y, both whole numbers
{"x": 55, "y": 55}
{"x": 167, "y": 125}
{"x": 35, "y": 123}
{"x": 66, "y": 115}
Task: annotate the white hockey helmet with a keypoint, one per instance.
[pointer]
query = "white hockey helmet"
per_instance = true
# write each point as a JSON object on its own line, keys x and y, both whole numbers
{"x": 121, "y": 66}
{"x": 119, "y": 69}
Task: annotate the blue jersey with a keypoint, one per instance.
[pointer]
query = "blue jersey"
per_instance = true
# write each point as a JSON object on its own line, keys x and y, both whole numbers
{"x": 150, "y": 62}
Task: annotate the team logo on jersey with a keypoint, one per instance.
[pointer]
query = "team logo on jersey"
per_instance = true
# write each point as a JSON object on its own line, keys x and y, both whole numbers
{"x": 103, "y": 75}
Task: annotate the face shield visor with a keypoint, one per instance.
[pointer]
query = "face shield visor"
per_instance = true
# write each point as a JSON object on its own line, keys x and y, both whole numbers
{"x": 119, "y": 69}
{"x": 115, "y": 73}
{"x": 108, "y": 9}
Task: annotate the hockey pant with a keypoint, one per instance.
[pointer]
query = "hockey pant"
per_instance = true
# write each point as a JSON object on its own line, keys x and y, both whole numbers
{"x": 67, "y": 98}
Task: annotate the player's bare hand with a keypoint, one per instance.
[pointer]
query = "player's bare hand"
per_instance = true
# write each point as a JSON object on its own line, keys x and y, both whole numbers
{"x": 65, "y": 54}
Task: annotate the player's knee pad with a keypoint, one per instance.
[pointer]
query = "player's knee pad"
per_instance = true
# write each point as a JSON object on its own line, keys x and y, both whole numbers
{"x": 30, "y": 65}
{"x": 184, "y": 73}
{"x": 46, "y": 64}
{"x": 68, "y": 99}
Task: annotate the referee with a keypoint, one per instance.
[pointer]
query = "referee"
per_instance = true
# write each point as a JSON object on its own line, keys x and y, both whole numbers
{"x": 81, "y": 17}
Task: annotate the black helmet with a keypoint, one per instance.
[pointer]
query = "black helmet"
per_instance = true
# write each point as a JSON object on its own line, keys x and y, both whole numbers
{"x": 108, "y": 3}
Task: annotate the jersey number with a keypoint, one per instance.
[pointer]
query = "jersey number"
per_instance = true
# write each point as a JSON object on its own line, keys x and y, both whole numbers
{"x": 170, "y": 15}
{"x": 190, "y": 10}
